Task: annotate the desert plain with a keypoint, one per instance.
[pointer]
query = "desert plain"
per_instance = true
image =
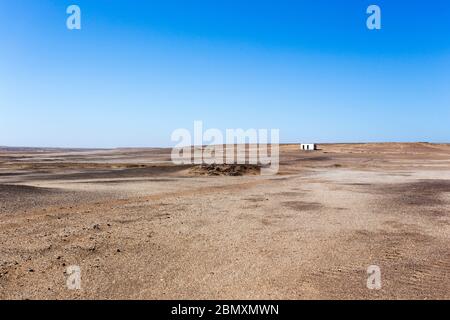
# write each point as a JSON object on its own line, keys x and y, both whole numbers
{"x": 140, "y": 227}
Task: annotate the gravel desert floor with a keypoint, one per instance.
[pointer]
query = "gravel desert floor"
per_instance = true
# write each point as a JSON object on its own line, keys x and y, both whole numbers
{"x": 140, "y": 227}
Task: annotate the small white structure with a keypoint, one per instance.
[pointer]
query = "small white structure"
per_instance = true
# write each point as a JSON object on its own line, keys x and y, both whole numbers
{"x": 308, "y": 146}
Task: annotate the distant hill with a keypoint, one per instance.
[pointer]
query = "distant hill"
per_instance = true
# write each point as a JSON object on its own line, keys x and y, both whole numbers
{"x": 34, "y": 149}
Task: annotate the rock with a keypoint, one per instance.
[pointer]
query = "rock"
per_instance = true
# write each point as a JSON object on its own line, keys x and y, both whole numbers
{"x": 231, "y": 170}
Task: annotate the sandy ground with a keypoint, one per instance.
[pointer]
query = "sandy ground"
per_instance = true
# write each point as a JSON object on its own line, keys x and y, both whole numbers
{"x": 142, "y": 228}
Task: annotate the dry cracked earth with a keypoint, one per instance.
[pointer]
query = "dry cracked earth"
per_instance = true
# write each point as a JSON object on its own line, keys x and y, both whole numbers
{"x": 140, "y": 227}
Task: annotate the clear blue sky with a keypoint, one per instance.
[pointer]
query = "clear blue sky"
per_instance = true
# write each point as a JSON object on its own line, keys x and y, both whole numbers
{"x": 137, "y": 70}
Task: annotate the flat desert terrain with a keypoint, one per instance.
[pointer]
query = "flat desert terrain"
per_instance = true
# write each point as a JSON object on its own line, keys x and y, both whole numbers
{"x": 140, "y": 227}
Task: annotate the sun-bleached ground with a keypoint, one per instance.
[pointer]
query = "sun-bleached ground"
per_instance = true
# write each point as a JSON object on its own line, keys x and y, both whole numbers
{"x": 141, "y": 228}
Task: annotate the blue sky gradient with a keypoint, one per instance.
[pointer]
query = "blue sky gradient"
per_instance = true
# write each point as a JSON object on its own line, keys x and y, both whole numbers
{"x": 137, "y": 70}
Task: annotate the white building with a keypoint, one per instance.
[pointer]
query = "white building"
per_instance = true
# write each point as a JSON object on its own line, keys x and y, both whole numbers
{"x": 308, "y": 146}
